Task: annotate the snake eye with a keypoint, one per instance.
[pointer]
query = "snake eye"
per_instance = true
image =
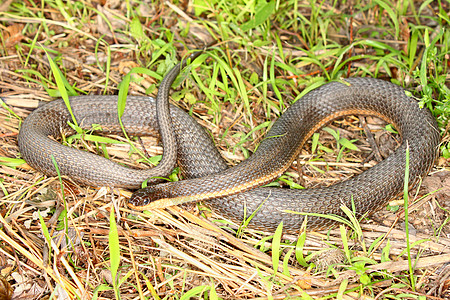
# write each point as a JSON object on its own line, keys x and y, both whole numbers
{"x": 141, "y": 197}
{"x": 152, "y": 197}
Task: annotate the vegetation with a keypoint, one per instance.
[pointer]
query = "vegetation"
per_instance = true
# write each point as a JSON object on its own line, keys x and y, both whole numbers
{"x": 62, "y": 240}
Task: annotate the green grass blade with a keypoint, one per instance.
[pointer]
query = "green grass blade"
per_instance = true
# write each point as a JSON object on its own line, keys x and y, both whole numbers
{"x": 11, "y": 162}
{"x": 345, "y": 243}
{"x": 392, "y": 14}
{"x": 114, "y": 251}
{"x": 276, "y": 247}
{"x": 286, "y": 260}
{"x": 197, "y": 291}
{"x": 261, "y": 15}
{"x": 299, "y": 250}
{"x": 46, "y": 235}
{"x": 348, "y": 144}
{"x": 405, "y": 206}
{"x": 273, "y": 81}
{"x": 61, "y": 83}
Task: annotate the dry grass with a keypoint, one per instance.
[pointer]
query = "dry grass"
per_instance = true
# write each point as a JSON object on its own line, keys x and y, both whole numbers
{"x": 176, "y": 253}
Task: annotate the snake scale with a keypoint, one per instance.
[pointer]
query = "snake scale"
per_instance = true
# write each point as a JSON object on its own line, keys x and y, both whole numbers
{"x": 234, "y": 191}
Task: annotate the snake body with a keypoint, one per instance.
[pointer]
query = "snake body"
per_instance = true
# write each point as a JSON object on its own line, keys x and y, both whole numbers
{"x": 207, "y": 173}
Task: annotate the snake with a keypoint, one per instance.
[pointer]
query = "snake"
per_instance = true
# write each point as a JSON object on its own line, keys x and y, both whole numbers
{"x": 236, "y": 192}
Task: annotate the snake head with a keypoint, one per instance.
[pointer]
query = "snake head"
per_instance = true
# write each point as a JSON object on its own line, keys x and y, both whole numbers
{"x": 140, "y": 198}
{"x": 151, "y": 197}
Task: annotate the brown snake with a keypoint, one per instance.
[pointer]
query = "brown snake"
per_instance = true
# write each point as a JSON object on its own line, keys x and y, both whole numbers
{"x": 233, "y": 191}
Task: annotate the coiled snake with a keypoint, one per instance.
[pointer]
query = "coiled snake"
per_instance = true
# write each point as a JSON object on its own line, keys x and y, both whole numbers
{"x": 234, "y": 191}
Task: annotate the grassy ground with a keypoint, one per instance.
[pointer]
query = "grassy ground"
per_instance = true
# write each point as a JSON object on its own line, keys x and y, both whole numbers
{"x": 268, "y": 55}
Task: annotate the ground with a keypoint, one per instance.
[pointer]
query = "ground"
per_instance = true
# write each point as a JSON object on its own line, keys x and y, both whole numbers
{"x": 60, "y": 239}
